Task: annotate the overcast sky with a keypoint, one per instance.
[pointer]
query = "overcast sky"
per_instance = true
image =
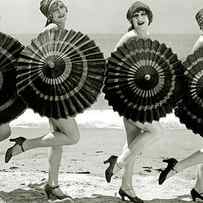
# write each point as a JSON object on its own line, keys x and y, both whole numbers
{"x": 101, "y": 16}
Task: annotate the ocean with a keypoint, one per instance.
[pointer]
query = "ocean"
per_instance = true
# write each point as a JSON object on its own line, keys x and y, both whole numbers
{"x": 100, "y": 114}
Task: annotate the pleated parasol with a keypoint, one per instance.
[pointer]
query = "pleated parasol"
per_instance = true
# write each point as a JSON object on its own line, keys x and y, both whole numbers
{"x": 61, "y": 73}
{"x": 9, "y": 51}
{"x": 190, "y": 108}
{"x": 144, "y": 80}
{"x": 11, "y": 105}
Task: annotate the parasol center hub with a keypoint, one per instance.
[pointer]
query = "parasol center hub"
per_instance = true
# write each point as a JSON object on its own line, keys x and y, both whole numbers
{"x": 51, "y": 64}
{"x": 147, "y": 77}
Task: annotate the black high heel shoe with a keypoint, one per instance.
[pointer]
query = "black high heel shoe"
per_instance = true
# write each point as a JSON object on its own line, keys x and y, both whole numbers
{"x": 18, "y": 141}
{"x": 109, "y": 171}
{"x": 195, "y": 195}
{"x": 135, "y": 199}
{"x": 51, "y": 195}
{"x": 171, "y": 163}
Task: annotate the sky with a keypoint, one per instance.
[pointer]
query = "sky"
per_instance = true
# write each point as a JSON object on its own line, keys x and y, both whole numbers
{"x": 101, "y": 16}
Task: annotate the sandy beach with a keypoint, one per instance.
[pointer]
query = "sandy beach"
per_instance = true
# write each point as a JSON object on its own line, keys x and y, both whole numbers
{"x": 82, "y": 169}
{"x": 102, "y": 134}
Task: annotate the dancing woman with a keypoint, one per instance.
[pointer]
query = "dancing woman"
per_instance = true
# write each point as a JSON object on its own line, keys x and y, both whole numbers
{"x": 62, "y": 131}
{"x": 174, "y": 166}
{"x": 140, "y": 17}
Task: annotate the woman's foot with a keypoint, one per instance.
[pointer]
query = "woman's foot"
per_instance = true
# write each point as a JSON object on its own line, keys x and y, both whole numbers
{"x": 170, "y": 168}
{"x": 109, "y": 171}
{"x": 196, "y": 195}
{"x": 54, "y": 192}
{"x": 17, "y": 148}
{"x": 130, "y": 194}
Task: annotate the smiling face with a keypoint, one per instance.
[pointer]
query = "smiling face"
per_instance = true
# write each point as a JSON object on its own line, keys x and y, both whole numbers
{"x": 140, "y": 21}
{"x": 58, "y": 12}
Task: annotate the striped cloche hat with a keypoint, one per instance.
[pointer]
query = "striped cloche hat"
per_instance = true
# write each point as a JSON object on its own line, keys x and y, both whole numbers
{"x": 199, "y": 17}
{"x": 137, "y": 6}
{"x": 46, "y": 4}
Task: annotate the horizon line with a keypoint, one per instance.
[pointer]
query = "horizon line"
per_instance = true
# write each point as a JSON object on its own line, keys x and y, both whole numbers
{"x": 110, "y": 33}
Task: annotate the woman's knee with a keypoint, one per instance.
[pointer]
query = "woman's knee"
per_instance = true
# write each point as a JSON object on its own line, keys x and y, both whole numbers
{"x": 5, "y": 132}
{"x": 72, "y": 135}
{"x": 71, "y": 130}
{"x": 75, "y": 137}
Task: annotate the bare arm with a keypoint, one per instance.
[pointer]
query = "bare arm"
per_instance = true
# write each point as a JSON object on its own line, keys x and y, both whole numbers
{"x": 49, "y": 27}
{"x": 124, "y": 38}
{"x": 198, "y": 44}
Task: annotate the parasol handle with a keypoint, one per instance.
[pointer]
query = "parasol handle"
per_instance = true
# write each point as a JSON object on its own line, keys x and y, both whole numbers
{"x": 51, "y": 64}
{"x": 147, "y": 77}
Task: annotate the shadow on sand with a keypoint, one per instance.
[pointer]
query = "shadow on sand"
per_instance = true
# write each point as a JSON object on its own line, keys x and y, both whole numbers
{"x": 38, "y": 196}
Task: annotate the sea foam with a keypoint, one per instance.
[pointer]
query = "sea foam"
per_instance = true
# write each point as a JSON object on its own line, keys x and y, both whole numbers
{"x": 93, "y": 118}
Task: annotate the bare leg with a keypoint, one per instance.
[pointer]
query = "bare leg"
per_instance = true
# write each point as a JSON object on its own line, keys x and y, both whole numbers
{"x": 136, "y": 140}
{"x": 194, "y": 159}
{"x": 199, "y": 181}
{"x": 65, "y": 133}
{"x": 55, "y": 154}
{"x": 127, "y": 178}
{"x": 5, "y": 131}
{"x": 132, "y": 133}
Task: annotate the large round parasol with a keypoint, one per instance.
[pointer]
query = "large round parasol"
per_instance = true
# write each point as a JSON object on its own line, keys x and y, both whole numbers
{"x": 190, "y": 108}
{"x": 9, "y": 51}
{"x": 61, "y": 73}
{"x": 144, "y": 80}
{"x": 11, "y": 105}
